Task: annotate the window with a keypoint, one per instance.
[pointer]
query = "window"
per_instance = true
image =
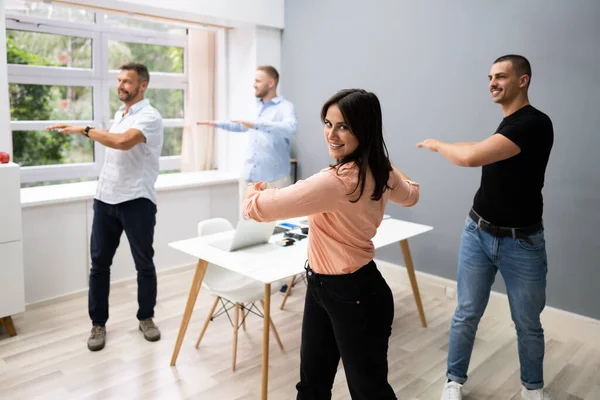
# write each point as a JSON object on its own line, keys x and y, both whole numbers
{"x": 119, "y": 21}
{"x": 169, "y": 102}
{"x": 50, "y": 102}
{"x": 39, "y": 9}
{"x": 161, "y": 58}
{"x": 33, "y": 48}
{"x": 62, "y": 66}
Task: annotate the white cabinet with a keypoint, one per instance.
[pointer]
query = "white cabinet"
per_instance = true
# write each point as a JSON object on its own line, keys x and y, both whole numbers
{"x": 12, "y": 281}
{"x": 10, "y": 203}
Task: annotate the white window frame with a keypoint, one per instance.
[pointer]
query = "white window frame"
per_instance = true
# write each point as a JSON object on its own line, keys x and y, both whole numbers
{"x": 98, "y": 77}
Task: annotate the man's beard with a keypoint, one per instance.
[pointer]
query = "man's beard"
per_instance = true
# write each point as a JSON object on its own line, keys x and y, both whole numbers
{"x": 128, "y": 96}
{"x": 261, "y": 94}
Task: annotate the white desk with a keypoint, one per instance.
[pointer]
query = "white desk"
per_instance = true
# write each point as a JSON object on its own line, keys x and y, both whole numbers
{"x": 270, "y": 263}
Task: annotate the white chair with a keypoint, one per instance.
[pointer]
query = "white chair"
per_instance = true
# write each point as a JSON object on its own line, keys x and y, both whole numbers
{"x": 232, "y": 290}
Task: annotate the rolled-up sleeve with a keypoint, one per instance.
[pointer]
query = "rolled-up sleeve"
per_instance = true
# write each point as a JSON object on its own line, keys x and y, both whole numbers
{"x": 317, "y": 194}
{"x": 404, "y": 192}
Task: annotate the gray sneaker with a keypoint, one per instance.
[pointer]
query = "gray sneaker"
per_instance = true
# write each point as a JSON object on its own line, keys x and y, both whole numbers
{"x": 151, "y": 332}
{"x": 97, "y": 338}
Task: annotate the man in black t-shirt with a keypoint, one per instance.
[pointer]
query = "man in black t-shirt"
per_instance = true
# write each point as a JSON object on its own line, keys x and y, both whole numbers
{"x": 504, "y": 229}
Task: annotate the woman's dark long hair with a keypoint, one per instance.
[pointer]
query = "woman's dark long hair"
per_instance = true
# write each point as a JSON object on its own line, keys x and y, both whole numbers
{"x": 362, "y": 114}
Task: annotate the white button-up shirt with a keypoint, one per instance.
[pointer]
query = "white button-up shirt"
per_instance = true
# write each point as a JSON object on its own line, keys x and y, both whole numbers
{"x": 131, "y": 174}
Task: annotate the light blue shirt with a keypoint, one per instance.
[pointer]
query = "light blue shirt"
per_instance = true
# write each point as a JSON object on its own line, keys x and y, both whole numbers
{"x": 269, "y": 154}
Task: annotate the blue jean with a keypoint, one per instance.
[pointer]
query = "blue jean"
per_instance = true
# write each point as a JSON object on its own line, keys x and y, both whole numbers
{"x": 523, "y": 267}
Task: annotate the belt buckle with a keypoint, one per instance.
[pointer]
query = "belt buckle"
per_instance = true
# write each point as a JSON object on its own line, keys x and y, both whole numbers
{"x": 482, "y": 222}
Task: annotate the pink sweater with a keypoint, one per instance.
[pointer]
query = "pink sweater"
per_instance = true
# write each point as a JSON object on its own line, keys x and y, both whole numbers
{"x": 340, "y": 232}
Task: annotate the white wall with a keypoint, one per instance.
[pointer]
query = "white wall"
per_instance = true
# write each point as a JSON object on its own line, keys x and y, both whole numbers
{"x": 268, "y": 49}
{"x": 5, "y": 136}
{"x": 241, "y": 52}
{"x": 56, "y": 238}
{"x": 246, "y": 49}
{"x": 232, "y": 13}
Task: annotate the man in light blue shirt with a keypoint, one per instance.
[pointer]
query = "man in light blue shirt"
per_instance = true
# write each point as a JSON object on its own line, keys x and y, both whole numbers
{"x": 270, "y": 133}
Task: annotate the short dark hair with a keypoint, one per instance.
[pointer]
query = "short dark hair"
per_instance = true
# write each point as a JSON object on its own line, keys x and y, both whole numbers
{"x": 362, "y": 113}
{"x": 269, "y": 70}
{"x": 520, "y": 64}
{"x": 139, "y": 68}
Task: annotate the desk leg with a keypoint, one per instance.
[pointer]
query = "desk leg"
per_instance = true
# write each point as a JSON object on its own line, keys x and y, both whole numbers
{"x": 413, "y": 280}
{"x": 265, "y": 349}
{"x": 189, "y": 308}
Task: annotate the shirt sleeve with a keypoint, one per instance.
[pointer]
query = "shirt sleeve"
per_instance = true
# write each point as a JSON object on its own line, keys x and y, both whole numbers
{"x": 522, "y": 132}
{"x": 151, "y": 126}
{"x": 230, "y": 126}
{"x": 403, "y": 192}
{"x": 286, "y": 127}
{"x": 318, "y": 194}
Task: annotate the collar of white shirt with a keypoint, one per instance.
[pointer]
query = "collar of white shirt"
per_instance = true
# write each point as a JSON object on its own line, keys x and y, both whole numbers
{"x": 135, "y": 107}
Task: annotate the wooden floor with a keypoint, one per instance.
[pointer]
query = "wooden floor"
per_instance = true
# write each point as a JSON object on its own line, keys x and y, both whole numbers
{"x": 48, "y": 359}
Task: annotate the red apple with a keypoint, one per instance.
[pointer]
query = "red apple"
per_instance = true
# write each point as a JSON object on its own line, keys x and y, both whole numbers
{"x": 4, "y": 158}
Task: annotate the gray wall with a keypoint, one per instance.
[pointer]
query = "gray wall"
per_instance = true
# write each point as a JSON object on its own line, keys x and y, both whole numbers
{"x": 428, "y": 62}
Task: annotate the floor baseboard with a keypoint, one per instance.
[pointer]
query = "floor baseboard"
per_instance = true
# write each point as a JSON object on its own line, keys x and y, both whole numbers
{"x": 560, "y": 322}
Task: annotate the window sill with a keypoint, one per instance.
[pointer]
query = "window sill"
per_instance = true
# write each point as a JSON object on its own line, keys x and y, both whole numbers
{"x": 70, "y": 192}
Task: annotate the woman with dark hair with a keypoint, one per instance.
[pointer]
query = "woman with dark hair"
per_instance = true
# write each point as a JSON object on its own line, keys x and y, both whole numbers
{"x": 349, "y": 308}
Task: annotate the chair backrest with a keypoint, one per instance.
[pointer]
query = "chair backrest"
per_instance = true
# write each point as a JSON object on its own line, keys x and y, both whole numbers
{"x": 215, "y": 277}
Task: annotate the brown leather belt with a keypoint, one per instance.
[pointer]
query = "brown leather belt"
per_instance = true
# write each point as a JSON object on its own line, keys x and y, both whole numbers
{"x": 500, "y": 231}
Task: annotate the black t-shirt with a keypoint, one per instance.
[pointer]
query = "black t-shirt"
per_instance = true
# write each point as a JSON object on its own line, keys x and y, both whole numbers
{"x": 510, "y": 194}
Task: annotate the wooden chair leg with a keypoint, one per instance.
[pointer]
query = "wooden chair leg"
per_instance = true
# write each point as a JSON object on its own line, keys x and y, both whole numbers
{"x": 236, "y": 322}
{"x": 208, "y": 319}
{"x": 273, "y": 328}
{"x": 287, "y": 292}
{"x": 9, "y": 326}
{"x": 243, "y": 317}
{"x": 410, "y": 268}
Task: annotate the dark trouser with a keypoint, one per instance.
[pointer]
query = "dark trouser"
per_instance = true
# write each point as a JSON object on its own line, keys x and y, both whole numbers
{"x": 137, "y": 218}
{"x": 349, "y": 316}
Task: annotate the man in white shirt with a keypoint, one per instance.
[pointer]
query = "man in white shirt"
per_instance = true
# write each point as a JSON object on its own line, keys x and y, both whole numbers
{"x": 125, "y": 200}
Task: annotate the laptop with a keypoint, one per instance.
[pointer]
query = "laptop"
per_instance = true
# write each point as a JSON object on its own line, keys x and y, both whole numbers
{"x": 247, "y": 233}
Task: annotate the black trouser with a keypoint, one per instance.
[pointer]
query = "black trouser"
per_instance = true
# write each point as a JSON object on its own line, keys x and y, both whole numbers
{"x": 349, "y": 316}
{"x": 137, "y": 218}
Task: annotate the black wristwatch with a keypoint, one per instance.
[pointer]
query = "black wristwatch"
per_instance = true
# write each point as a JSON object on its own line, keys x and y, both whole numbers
{"x": 86, "y": 131}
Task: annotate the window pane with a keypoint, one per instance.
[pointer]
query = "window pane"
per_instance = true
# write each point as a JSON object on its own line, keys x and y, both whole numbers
{"x": 122, "y": 21}
{"x": 157, "y": 58}
{"x": 39, "y": 9}
{"x": 169, "y": 102}
{"x": 45, "y": 102}
{"x": 32, "y": 148}
{"x": 172, "y": 142}
{"x": 33, "y": 48}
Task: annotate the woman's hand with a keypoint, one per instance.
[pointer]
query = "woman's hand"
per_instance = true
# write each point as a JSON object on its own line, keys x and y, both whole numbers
{"x": 255, "y": 187}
